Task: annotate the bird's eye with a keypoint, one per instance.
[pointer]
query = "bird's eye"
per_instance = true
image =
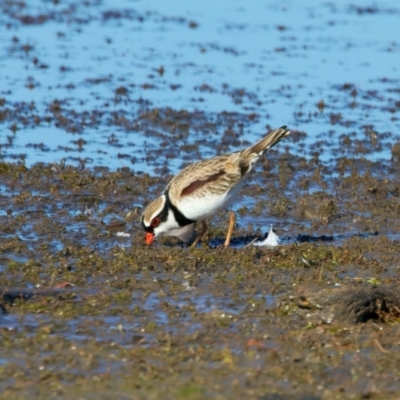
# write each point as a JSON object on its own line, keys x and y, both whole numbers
{"x": 155, "y": 222}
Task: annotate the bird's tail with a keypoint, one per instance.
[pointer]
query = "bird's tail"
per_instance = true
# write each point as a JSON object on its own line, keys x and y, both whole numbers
{"x": 269, "y": 141}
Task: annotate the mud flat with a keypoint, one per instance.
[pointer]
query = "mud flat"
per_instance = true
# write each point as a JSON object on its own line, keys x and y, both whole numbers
{"x": 87, "y": 310}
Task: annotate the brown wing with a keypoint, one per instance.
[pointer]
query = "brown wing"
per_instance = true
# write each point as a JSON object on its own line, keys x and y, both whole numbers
{"x": 198, "y": 183}
{"x": 219, "y": 174}
{"x": 215, "y": 175}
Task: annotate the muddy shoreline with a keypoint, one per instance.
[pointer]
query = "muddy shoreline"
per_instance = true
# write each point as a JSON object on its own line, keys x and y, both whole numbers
{"x": 86, "y": 310}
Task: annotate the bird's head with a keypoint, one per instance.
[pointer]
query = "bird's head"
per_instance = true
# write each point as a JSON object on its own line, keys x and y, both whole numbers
{"x": 158, "y": 218}
{"x": 153, "y": 220}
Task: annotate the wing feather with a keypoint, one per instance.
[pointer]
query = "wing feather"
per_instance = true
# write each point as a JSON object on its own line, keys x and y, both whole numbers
{"x": 219, "y": 174}
{"x": 197, "y": 178}
{"x": 199, "y": 183}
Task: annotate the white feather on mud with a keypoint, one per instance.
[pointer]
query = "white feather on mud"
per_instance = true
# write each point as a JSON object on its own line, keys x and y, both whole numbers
{"x": 272, "y": 240}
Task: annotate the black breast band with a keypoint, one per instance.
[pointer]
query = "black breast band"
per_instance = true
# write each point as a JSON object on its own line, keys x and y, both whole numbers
{"x": 179, "y": 217}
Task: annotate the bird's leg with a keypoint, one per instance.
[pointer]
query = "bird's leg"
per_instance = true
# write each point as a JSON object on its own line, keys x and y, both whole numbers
{"x": 204, "y": 230}
{"x": 232, "y": 220}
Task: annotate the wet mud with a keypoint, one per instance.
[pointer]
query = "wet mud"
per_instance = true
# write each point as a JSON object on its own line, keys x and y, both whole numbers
{"x": 94, "y": 126}
{"x": 86, "y": 308}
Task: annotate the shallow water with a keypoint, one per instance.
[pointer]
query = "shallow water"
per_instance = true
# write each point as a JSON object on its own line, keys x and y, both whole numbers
{"x": 78, "y": 77}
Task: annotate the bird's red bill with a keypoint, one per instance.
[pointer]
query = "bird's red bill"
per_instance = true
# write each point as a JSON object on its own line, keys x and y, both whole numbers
{"x": 149, "y": 238}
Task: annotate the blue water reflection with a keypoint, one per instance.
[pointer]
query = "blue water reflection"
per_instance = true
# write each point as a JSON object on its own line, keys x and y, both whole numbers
{"x": 286, "y": 56}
